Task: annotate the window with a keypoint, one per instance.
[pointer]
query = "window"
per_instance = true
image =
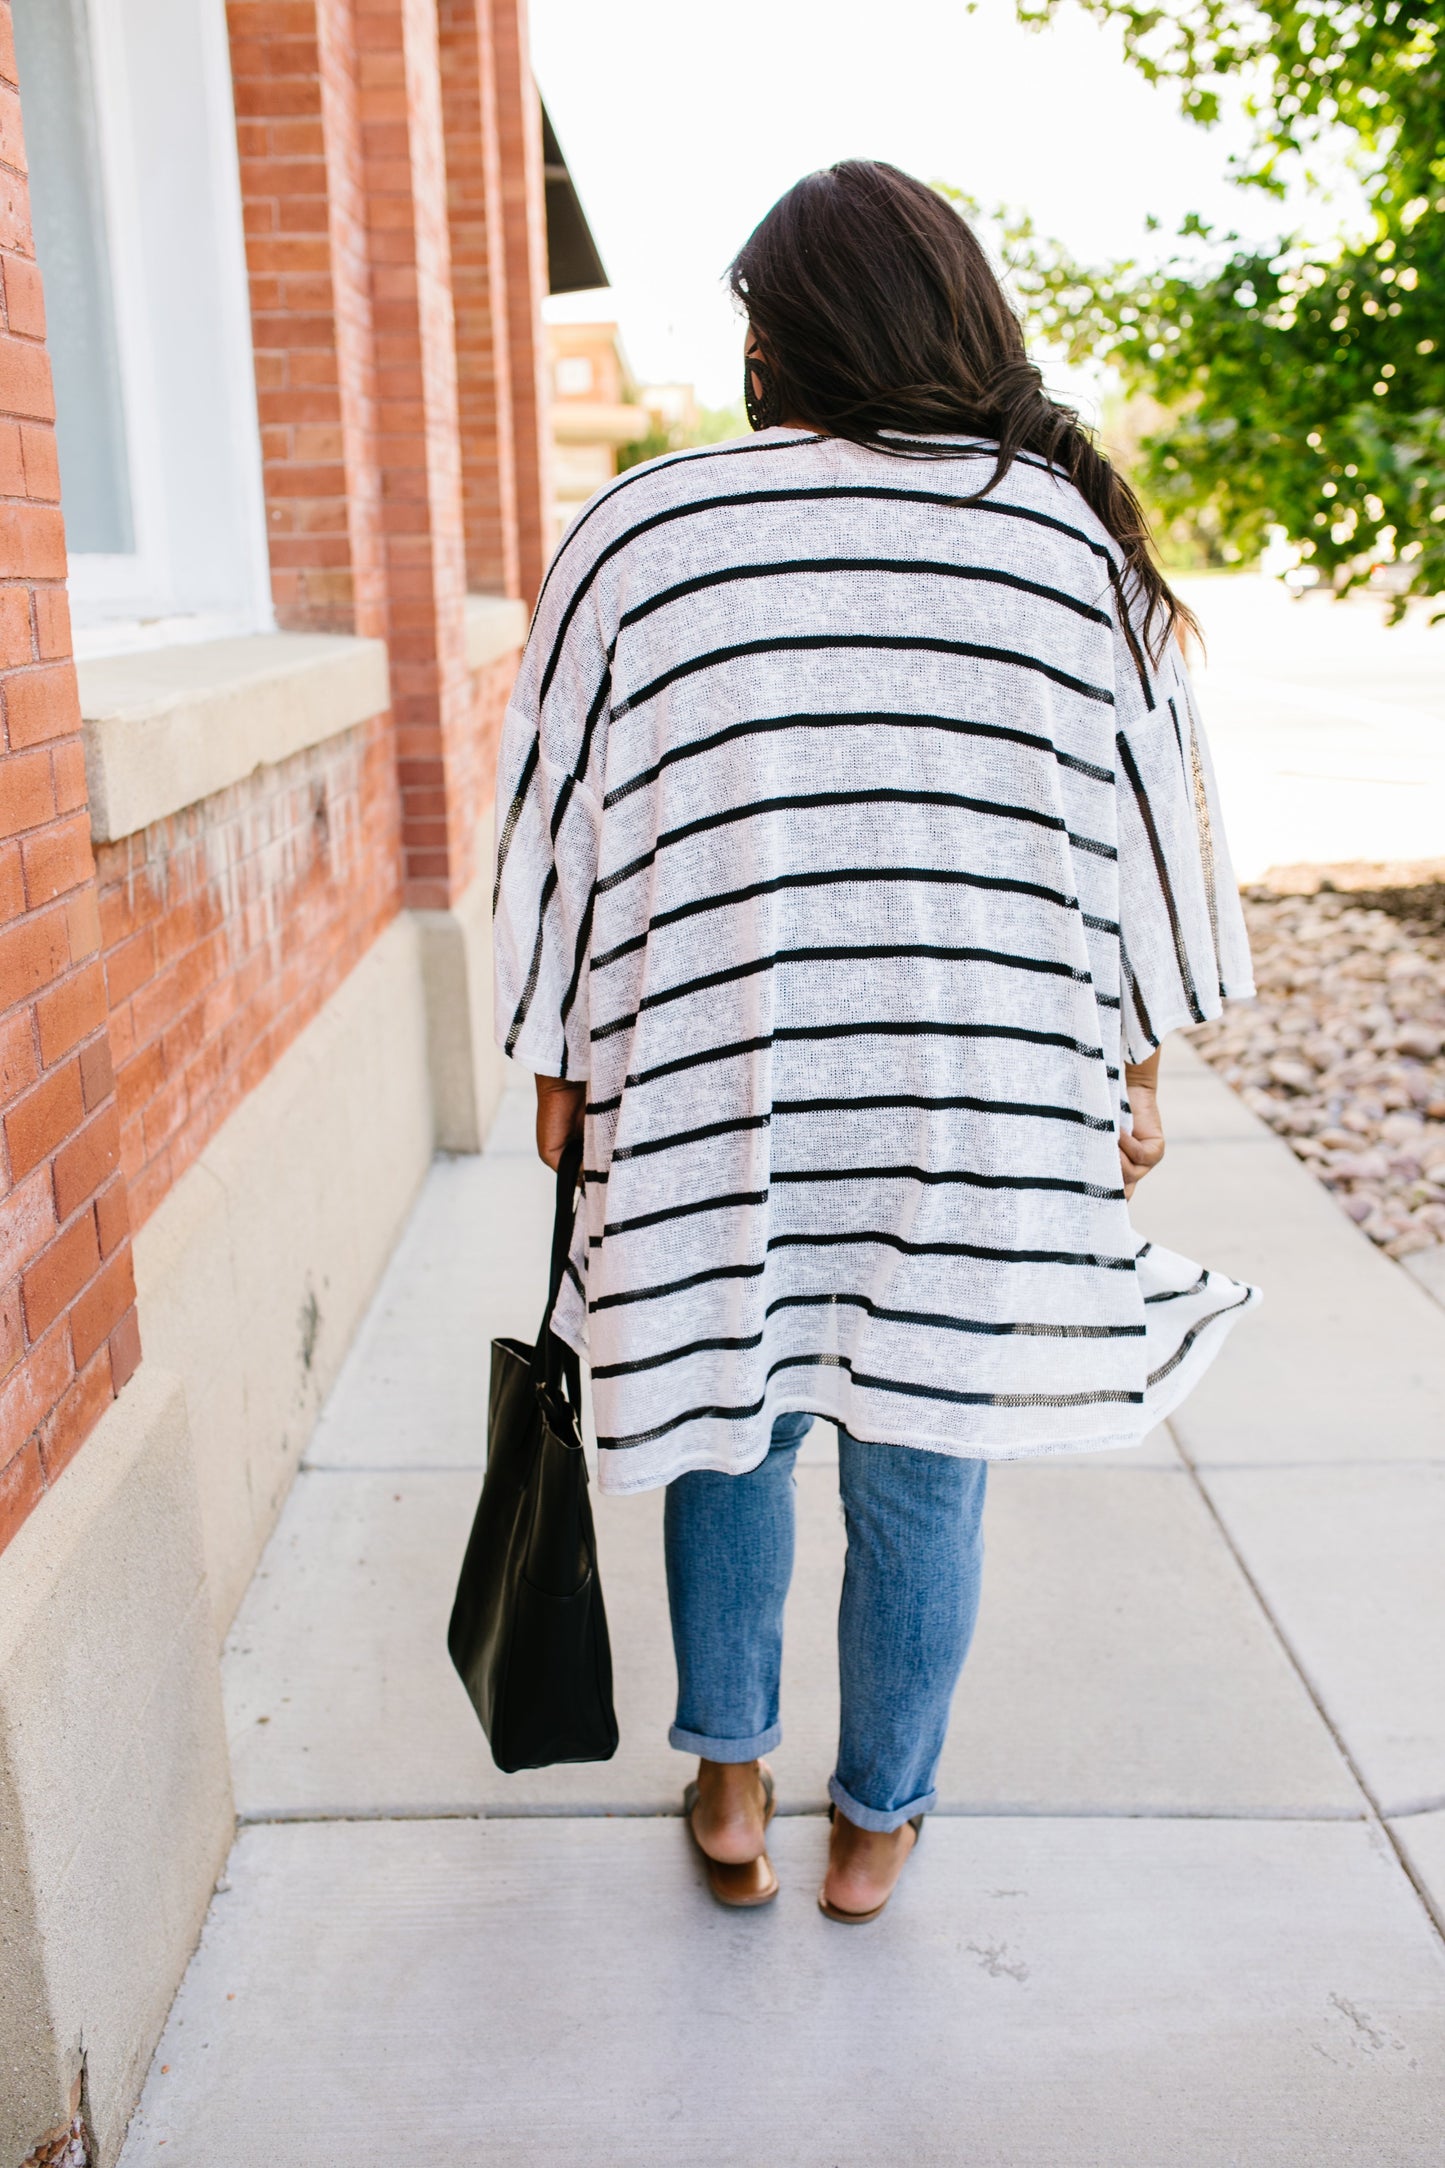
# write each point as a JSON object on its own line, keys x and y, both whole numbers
{"x": 70, "y": 241}
{"x": 135, "y": 195}
{"x": 574, "y": 376}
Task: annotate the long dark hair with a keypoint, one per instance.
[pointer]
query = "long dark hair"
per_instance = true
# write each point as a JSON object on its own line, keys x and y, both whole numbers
{"x": 880, "y": 317}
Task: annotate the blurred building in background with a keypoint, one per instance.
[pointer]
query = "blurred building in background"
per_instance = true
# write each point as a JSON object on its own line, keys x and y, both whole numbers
{"x": 596, "y": 411}
{"x": 604, "y": 420}
{"x": 275, "y": 496}
{"x": 673, "y": 408}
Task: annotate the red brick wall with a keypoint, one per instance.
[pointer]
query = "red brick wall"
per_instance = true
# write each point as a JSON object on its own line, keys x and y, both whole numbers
{"x": 293, "y": 68}
{"x": 225, "y": 929}
{"x": 346, "y": 159}
{"x": 417, "y": 425}
{"x": 212, "y": 938}
{"x": 68, "y": 1336}
{"x": 479, "y": 296}
{"x": 355, "y": 337}
{"x": 472, "y": 764}
{"x": 524, "y": 234}
{"x": 323, "y": 231}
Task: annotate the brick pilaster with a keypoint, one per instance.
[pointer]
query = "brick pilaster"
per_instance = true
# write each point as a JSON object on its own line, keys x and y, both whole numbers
{"x": 524, "y": 235}
{"x": 479, "y": 296}
{"x": 418, "y": 436}
{"x": 374, "y": 344}
{"x": 68, "y": 1336}
{"x": 294, "y": 71}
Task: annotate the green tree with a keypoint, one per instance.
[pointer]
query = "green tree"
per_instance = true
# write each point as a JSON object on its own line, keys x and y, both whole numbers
{"x": 1305, "y": 386}
{"x": 714, "y": 425}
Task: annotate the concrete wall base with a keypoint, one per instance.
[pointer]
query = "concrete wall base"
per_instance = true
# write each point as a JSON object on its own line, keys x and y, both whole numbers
{"x": 115, "y": 1796}
{"x": 115, "y": 1792}
{"x": 254, "y": 1272}
{"x": 468, "y": 1069}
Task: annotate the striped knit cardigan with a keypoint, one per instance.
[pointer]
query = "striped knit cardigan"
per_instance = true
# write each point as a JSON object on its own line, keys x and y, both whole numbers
{"x": 850, "y": 842}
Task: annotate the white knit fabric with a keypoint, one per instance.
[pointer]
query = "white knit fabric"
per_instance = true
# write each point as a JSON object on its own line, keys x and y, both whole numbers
{"x": 845, "y": 834}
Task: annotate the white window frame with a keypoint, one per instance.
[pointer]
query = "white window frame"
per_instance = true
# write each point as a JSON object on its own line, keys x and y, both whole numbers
{"x": 138, "y": 598}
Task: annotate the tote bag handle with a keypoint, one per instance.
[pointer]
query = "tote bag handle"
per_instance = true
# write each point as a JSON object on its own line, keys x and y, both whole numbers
{"x": 555, "y": 1367}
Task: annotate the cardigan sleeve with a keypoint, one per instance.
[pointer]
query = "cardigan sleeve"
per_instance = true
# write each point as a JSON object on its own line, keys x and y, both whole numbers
{"x": 549, "y": 825}
{"x": 1184, "y": 946}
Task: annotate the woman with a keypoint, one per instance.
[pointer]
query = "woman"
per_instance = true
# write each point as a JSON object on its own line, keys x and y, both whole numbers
{"x": 860, "y": 847}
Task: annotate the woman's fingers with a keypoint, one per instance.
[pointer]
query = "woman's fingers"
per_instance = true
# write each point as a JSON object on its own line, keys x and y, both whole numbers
{"x": 561, "y": 1107}
{"x": 1137, "y": 1157}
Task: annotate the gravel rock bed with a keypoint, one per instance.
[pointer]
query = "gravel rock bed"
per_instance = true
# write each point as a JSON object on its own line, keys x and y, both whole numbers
{"x": 1344, "y": 1051}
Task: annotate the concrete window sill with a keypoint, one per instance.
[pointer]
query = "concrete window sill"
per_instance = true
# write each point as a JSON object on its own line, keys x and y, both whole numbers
{"x": 496, "y": 626}
{"x": 167, "y": 727}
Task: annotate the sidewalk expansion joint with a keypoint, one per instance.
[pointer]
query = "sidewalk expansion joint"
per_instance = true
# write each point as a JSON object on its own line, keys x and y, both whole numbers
{"x": 1376, "y": 1816}
{"x": 393, "y": 1468}
{"x": 580, "y": 1811}
{"x": 1371, "y": 1461}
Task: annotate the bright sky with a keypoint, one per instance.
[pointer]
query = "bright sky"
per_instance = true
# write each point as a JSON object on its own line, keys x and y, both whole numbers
{"x": 682, "y": 123}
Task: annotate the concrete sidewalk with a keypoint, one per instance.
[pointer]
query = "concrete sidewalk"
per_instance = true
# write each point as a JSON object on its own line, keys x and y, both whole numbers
{"x": 1175, "y": 1908}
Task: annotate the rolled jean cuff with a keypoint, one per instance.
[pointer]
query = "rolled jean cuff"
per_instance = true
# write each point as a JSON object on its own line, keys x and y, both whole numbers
{"x": 882, "y": 1819}
{"x": 697, "y": 1742}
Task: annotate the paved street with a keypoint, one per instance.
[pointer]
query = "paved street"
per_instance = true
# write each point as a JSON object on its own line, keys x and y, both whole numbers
{"x": 1328, "y": 730}
{"x": 1183, "y": 1899}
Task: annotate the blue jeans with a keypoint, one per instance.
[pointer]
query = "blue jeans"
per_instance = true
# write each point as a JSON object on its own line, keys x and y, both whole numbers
{"x": 910, "y": 1597}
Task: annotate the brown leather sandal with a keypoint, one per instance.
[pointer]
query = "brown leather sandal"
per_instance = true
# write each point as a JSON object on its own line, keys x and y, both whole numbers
{"x": 744, "y": 1883}
{"x": 857, "y": 1919}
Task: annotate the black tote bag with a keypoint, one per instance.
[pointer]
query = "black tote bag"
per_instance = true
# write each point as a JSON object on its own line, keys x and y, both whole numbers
{"x": 528, "y": 1631}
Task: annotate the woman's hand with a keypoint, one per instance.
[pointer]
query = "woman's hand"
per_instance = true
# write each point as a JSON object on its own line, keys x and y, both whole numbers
{"x": 1141, "y": 1148}
{"x": 560, "y": 1108}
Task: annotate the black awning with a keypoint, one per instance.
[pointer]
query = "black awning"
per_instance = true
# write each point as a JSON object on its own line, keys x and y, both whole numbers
{"x": 573, "y": 263}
